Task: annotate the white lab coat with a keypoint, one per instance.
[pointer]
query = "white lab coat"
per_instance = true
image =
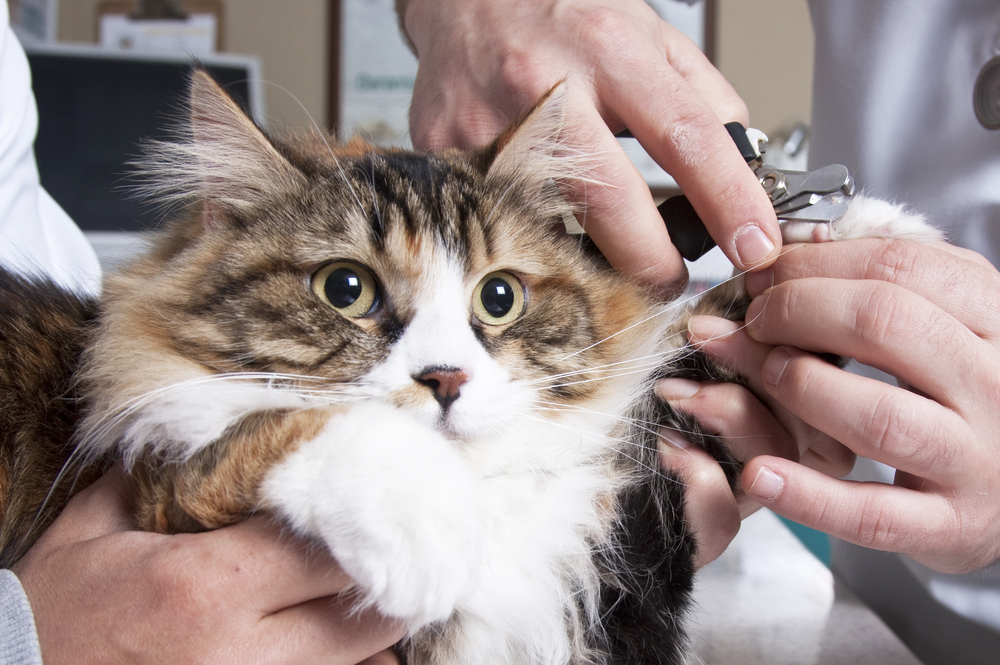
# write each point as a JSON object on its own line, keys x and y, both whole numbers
{"x": 36, "y": 235}
{"x": 893, "y": 101}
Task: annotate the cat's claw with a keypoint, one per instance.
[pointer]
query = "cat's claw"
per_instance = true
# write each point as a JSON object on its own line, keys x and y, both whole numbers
{"x": 395, "y": 503}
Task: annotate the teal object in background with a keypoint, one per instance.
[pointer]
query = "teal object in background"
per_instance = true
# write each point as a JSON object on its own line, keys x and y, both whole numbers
{"x": 815, "y": 541}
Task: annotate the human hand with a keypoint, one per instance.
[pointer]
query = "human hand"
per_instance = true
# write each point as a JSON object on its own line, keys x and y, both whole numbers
{"x": 103, "y": 593}
{"x": 748, "y": 426}
{"x": 483, "y": 63}
{"x": 928, "y": 315}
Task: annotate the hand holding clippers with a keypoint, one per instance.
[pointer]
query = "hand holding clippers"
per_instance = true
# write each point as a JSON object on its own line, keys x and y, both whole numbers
{"x": 819, "y": 196}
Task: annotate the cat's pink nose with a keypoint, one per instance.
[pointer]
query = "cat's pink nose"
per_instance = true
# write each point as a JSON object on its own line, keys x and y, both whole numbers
{"x": 445, "y": 382}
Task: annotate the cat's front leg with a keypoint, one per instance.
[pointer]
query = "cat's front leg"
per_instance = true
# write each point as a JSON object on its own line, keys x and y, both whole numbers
{"x": 395, "y": 503}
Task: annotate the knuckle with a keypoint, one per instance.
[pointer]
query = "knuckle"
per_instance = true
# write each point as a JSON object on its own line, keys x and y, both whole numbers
{"x": 881, "y": 315}
{"x": 782, "y": 301}
{"x": 973, "y": 537}
{"x": 521, "y": 78}
{"x": 605, "y": 30}
{"x": 715, "y": 529}
{"x": 897, "y": 261}
{"x": 795, "y": 378}
{"x": 684, "y": 127}
{"x": 835, "y": 460}
{"x": 877, "y": 527}
{"x": 898, "y": 433}
{"x": 887, "y": 315}
{"x": 886, "y": 426}
{"x": 177, "y": 589}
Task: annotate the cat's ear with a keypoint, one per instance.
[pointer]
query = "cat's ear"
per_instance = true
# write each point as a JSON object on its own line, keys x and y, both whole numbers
{"x": 531, "y": 149}
{"x": 224, "y": 161}
{"x": 236, "y": 162}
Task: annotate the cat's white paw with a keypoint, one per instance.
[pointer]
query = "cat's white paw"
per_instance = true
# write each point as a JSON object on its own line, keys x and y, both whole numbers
{"x": 866, "y": 217}
{"x": 395, "y": 503}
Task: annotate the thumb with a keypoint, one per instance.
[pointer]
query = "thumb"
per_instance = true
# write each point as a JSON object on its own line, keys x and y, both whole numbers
{"x": 99, "y": 510}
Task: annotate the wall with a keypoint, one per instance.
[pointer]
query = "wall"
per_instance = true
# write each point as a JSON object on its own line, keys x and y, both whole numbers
{"x": 288, "y": 35}
{"x": 764, "y": 47}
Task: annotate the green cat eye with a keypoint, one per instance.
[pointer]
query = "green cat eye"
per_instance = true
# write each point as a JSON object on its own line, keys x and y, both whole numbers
{"x": 498, "y": 299}
{"x": 347, "y": 287}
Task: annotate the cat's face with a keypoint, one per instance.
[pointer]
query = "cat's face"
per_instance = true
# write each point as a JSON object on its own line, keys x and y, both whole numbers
{"x": 444, "y": 284}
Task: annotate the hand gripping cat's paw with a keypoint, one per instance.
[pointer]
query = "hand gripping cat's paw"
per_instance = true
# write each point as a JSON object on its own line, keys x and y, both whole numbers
{"x": 396, "y": 504}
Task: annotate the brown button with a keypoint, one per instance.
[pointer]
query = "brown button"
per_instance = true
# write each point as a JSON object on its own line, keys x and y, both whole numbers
{"x": 986, "y": 96}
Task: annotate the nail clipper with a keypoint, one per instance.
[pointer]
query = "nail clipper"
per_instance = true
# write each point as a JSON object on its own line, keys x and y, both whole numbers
{"x": 819, "y": 196}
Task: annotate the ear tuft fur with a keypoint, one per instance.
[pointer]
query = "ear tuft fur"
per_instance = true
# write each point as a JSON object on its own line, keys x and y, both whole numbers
{"x": 220, "y": 156}
{"x": 533, "y": 150}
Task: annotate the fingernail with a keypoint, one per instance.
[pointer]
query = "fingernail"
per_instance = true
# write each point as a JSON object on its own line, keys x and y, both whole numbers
{"x": 758, "y": 282}
{"x": 702, "y": 329}
{"x": 775, "y": 365}
{"x": 669, "y": 389}
{"x": 767, "y": 485}
{"x": 673, "y": 440}
{"x": 752, "y": 245}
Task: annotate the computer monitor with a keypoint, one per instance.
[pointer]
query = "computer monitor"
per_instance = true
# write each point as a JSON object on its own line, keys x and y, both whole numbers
{"x": 95, "y": 106}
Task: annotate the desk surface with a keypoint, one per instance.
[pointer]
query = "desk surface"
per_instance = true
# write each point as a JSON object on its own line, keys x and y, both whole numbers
{"x": 768, "y": 600}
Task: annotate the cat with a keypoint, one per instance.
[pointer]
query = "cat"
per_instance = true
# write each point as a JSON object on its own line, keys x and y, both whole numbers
{"x": 403, "y": 357}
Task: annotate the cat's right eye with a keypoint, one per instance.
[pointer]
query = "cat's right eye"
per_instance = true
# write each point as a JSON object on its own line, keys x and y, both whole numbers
{"x": 498, "y": 299}
{"x": 346, "y": 287}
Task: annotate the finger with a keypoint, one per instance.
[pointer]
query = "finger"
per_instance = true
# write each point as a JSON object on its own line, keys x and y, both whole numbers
{"x": 829, "y": 457}
{"x": 873, "y": 515}
{"x": 250, "y": 556}
{"x": 744, "y": 424}
{"x": 619, "y": 213}
{"x": 931, "y": 271}
{"x": 710, "y": 508}
{"x": 327, "y": 630}
{"x": 453, "y": 117}
{"x": 875, "y": 420}
{"x": 684, "y": 136}
{"x": 691, "y": 63}
{"x": 879, "y": 324}
{"x": 386, "y": 657}
{"x": 728, "y": 343}
{"x": 98, "y": 510}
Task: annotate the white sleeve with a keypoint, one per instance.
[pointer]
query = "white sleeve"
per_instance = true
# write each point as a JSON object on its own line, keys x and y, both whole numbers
{"x": 36, "y": 236}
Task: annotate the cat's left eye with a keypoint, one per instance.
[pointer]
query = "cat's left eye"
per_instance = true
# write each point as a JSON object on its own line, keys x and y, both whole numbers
{"x": 498, "y": 299}
{"x": 347, "y": 287}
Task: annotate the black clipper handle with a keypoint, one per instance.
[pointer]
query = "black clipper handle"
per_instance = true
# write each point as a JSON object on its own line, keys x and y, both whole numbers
{"x": 687, "y": 231}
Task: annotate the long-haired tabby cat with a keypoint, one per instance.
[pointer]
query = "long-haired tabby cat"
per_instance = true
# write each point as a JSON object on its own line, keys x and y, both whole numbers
{"x": 401, "y": 356}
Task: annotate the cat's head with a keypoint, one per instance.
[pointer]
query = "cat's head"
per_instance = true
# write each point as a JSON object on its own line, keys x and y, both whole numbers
{"x": 443, "y": 283}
